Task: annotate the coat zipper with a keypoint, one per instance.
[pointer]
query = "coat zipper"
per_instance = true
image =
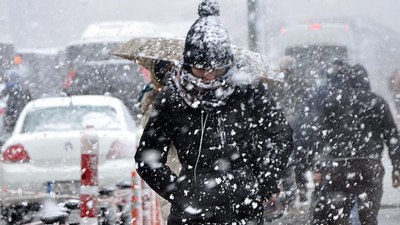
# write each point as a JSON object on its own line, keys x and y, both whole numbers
{"x": 222, "y": 136}
{"x": 203, "y": 127}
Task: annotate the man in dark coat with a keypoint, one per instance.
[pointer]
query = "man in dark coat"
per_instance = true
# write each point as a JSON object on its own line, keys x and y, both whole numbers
{"x": 18, "y": 97}
{"x": 230, "y": 139}
{"x": 294, "y": 98}
{"x": 354, "y": 127}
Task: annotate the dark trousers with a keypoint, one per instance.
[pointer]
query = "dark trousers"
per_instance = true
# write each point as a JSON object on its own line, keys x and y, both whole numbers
{"x": 288, "y": 186}
{"x": 344, "y": 184}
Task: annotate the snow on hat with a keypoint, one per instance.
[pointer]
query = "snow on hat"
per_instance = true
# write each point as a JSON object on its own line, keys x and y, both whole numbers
{"x": 207, "y": 44}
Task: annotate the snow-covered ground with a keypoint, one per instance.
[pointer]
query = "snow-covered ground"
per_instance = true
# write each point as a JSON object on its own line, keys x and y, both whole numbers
{"x": 391, "y": 196}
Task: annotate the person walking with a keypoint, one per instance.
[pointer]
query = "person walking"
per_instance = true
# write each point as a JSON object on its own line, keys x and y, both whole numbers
{"x": 293, "y": 97}
{"x": 355, "y": 124}
{"x": 18, "y": 97}
{"x": 230, "y": 139}
{"x": 159, "y": 72}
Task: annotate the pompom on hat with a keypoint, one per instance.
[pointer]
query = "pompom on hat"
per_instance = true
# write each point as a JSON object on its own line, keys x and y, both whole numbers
{"x": 207, "y": 44}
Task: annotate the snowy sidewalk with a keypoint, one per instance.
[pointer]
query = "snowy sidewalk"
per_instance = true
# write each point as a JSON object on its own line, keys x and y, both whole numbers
{"x": 391, "y": 196}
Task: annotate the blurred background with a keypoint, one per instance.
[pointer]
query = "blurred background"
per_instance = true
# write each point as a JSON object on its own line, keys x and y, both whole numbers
{"x": 63, "y": 47}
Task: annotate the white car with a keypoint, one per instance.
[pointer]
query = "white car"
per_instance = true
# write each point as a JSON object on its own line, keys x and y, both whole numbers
{"x": 43, "y": 152}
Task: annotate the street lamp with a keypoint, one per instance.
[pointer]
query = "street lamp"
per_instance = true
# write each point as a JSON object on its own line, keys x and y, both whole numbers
{"x": 252, "y": 24}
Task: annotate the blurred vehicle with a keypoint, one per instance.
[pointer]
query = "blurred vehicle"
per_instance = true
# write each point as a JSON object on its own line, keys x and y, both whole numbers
{"x": 91, "y": 50}
{"x": 43, "y": 156}
{"x": 44, "y": 147}
{"x": 89, "y": 68}
{"x": 129, "y": 28}
{"x": 77, "y": 53}
{"x": 122, "y": 79}
{"x": 314, "y": 46}
{"x": 41, "y": 69}
{"x": 316, "y": 34}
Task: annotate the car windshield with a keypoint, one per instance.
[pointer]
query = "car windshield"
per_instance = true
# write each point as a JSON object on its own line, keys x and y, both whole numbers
{"x": 71, "y": 118}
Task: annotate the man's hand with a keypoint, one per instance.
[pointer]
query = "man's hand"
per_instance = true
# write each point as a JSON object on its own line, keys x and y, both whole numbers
{"x": 273, "y": 208}
{"x": 273, "y": 199}
{"x": 396, "y": 179}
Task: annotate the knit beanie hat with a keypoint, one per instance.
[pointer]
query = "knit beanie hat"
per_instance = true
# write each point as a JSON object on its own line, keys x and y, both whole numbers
{"x": 207, "y": 44}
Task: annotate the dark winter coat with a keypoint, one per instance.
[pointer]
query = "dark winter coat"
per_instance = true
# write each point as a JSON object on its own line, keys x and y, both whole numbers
{"x": 356, "y": 124}
{"x": 231, "y": 157}
{"x": 18, "y": 97}
{"x": 354, "y": 127}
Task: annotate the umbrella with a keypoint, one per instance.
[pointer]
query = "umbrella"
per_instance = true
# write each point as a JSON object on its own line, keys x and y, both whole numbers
{"x": 255, "y": 64}
{"x": 147, "y": 51}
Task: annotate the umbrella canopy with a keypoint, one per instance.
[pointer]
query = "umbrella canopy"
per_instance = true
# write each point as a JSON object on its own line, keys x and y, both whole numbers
{"x": 147, "y": 51}
{"x": 255, "y": 64}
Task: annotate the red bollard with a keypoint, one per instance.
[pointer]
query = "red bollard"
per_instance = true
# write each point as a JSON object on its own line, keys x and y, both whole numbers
{"x": 151, "y": 206}
{"x": 159, "y": 218}
{"x": 153, "y": 212}
{"x": 146, "y": 193}
{"x": 89, "y": 170}
{"x": 137, "y": 212}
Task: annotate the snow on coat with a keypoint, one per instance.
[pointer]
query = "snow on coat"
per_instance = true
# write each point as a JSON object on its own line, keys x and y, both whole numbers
{"x": 231, "y": 156}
